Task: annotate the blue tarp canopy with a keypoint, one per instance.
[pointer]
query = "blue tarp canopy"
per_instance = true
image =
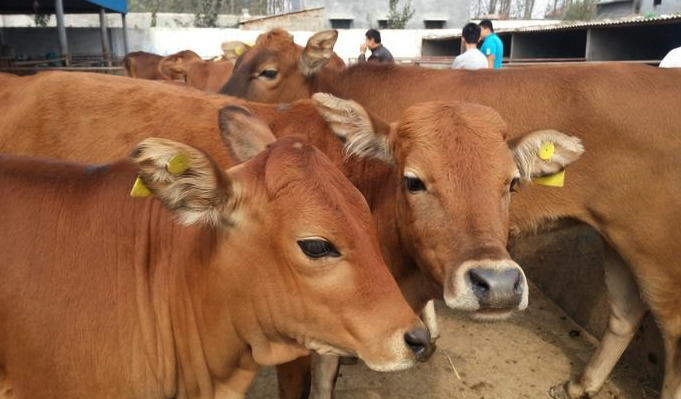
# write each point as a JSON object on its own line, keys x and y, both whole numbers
{"x": 70, "y": 6}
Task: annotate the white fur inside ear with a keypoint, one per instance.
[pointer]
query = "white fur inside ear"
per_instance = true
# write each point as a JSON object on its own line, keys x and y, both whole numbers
{"x": 567, "y": 150}
{"x": 350, "y": 121}
{"x": 193, "y": 194}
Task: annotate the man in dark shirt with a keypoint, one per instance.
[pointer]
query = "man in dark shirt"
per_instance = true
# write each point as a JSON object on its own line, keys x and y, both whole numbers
{"x": 378, "y": 52}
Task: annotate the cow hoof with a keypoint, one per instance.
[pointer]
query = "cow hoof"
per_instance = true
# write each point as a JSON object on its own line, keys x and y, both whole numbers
{"x": 558, "y": 392}
{"x": 563, "y": 392}
{"x": 349, "y": 360}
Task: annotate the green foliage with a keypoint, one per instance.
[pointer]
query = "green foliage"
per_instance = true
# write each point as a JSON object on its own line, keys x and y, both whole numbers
{"x": 206, "y": 13}
{"x": 41, "y": 19}
{"x": 579, "y": 11}
{"x": 398, "y": 19}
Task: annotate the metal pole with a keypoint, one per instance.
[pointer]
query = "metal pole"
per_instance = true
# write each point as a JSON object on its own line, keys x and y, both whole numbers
{"x": 61, "y": 29}
{"x": 125, "y": 34}
{"x": 106, "y": 49}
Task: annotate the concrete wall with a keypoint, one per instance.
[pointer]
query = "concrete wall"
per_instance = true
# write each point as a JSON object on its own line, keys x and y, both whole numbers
{"x": 366, "y": 14}
{"x": 666, "y": 7}
{"x": 615, "y": 9}
{"x": 567, "y": 265}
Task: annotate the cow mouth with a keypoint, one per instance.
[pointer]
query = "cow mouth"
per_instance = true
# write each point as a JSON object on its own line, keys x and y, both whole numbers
{"x": 492, "y": 315}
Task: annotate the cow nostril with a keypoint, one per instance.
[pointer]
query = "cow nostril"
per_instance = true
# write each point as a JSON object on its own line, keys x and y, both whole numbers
{"x": 418, "y": 341}
{"x": 478, "y": 281}
{"x": 518, "y": 286}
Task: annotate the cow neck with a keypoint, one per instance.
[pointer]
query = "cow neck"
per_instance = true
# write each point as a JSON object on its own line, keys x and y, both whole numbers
{"x": 191, "y": 347}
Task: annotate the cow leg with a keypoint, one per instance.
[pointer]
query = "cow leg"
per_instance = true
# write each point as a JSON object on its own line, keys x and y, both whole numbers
{"x": 429, "y": 318}
{"x": 294, "y": 379}
{"x": 626, "y": 312}
{"x": 324, "y": 376}
{"x": 671, "y": 389}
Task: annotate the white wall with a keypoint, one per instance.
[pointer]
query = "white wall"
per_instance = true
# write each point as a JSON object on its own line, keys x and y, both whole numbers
{"x": 205, "y": 41}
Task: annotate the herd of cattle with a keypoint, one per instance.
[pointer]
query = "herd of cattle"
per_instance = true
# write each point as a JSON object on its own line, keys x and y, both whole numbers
{"x": 314, "y": 208}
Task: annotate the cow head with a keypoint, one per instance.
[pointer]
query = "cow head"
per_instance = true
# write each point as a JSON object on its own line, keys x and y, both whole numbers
{"x": 172, "y": 67}
{"x": 276, "y": 69}
{"x": 453, "y": 178}
{"x": 295, "y": 263}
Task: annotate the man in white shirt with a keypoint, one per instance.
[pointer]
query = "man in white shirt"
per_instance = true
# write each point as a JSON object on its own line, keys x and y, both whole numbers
{"x": 472, "y": 58}
{"x": 672, "y": 59}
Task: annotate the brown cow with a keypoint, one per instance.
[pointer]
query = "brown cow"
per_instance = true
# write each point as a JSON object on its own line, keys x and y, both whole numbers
{"x": 628, "y": 118}
{"x": 142, "y": 65}
{"x": 166, "y": 64}
{"x": 435, "y": 244}
{"x": 317, "y": 55}
{"x": 102, "y": 295}
{"x": 209, "y": 76}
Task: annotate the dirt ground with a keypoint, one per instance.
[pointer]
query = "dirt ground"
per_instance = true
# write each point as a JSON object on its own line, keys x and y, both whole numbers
{"x": 516, "y": 359}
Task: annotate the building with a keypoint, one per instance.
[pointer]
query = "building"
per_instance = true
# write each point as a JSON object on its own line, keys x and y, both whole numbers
{"x": 358, "y": 14}
{"x": 624, "y": 8}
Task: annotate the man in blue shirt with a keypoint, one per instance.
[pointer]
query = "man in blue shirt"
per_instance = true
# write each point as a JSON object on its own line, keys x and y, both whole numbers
{"x": 492, "y": 47}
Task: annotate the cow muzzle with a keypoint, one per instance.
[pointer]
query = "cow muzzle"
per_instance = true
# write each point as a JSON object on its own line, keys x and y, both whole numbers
{"x": 491, "y": 289}
{"x": 402, "y": 350}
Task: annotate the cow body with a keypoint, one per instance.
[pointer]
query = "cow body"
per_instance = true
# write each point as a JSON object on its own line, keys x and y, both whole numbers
{"x": 628, "y": 120}
{"x": 106, "y": 296}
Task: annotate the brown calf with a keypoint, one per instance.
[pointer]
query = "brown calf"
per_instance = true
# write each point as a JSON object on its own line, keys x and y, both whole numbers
{"x": 104, "y": 296}
{"x": 208, "y": 76}
{"x": 628, "y": 119}
{"x": 166, "y": 64}
{"x": 142, "y": 65}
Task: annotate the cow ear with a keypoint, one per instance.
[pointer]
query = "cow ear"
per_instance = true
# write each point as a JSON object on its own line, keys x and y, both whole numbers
{"x": 244, "y": 135}
{"x": 546, "y": 152}
{"x": 185, "y": 179}
{"x": 365, "y": 135}
{"x": 318, "y": 51}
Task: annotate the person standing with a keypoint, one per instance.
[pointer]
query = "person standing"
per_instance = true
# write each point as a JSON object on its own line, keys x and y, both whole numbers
{"x": 472, "y": 58}
{"x": 378, "y": 52}
{"x": 492, "y": 47}
{"x": 672, "y": 59}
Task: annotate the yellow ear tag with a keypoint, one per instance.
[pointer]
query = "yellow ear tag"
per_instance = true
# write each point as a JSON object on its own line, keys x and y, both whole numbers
{"x": 139, "y": 189}
{"x": 547, "y": 150}
{"x": 239, "y": 50}
{"x": 555, "y": 180}
{"x": 178, "y": 164}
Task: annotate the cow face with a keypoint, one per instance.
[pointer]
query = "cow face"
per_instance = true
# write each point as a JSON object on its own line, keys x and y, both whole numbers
{"x": 296, "y": 265}
{"x": 276, "y": 69}
{"x": 454, "y": 174}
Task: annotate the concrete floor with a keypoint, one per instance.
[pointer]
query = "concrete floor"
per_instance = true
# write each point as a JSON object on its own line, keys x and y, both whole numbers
{"x": 516, "y": 359}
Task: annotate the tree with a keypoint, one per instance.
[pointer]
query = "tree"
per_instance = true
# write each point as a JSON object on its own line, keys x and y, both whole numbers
{"x": 579, "y": 11}
{"x": 206, "y": 14}
{"x": 399, "y": 19}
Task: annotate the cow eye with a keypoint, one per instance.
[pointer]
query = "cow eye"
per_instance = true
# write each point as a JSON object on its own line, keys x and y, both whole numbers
{"x": 269, "y": 73}
{"x": 316, "y": 249}
{"x": 414, "y": 184}
{"x": 514, "y": 185}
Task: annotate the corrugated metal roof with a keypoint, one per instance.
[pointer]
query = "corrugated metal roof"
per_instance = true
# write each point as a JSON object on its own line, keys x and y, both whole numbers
{"x": 603, "y": 23}
{"x": 638, "y": 20}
